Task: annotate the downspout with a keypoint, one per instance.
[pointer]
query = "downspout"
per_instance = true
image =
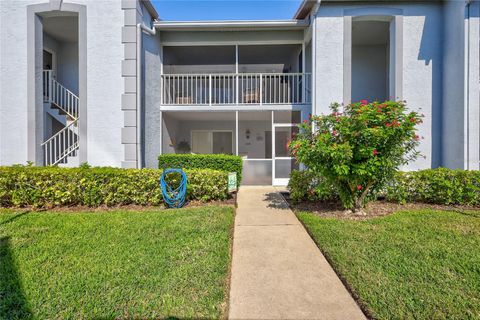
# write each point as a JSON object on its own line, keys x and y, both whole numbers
{"x": 467, "y": 83}
{"x": 313, "y": 19}
{"x": 151, "y": 31}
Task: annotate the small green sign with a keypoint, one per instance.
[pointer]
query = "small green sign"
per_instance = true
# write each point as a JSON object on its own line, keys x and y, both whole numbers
{"x": 232, "y": 182}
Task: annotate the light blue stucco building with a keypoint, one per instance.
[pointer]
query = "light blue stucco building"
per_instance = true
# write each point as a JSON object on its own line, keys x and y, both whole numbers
{"x": 112, "y": 84}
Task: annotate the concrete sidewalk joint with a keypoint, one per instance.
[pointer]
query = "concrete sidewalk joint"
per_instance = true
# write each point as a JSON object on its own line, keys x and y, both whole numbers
{"x": 277, "y": 270}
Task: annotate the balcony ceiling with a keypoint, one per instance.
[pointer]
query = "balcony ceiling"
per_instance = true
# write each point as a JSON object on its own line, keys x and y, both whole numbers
{"x": 265, "y": 116}
{"x": 198, "y": 55}
{"x": 370, "y": 33}
{"x": 61, "y": 28}
{"x": 225, "y": 55}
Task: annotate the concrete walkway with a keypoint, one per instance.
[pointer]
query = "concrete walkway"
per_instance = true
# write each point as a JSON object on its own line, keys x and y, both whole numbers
{"x": 277, "y": 270}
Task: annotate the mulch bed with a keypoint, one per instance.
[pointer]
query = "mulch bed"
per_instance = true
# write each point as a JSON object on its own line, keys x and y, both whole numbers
{"x": 130, "y": 207}
{"x": 373, "y": 209}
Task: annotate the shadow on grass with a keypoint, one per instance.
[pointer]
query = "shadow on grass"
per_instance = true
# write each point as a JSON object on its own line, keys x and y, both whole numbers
{"x": 166, "y": 318}
{"x": 471, "y": 214}
{"x": 13, "y": 304}
{"x": 14, "y": 217}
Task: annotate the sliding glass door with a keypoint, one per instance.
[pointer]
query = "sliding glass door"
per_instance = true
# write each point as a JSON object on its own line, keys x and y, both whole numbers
{"x": 212, "y": 142}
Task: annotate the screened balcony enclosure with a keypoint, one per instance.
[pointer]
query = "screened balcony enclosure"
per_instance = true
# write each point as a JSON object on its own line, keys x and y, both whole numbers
{"x": 235, "y": 75}
{"x": 260, "y": 138}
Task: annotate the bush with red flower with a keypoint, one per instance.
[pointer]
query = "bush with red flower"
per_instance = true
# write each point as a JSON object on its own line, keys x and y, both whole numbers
{"x": 359, "y": 147}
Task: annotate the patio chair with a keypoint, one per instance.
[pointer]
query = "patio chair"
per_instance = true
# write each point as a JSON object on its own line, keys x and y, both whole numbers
{"x": 251, "y": 95}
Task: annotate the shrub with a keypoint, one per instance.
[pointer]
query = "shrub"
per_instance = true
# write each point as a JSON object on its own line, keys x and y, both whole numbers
{"x": 360, "y": 149}
{"x": 53, "y": 186}
{"x": 306, "y": 185}
{"x": 437, "y": 186}
{"x": 222, "y": 162}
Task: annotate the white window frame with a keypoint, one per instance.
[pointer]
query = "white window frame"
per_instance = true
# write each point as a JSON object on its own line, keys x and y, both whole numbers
{"x": 54, "y": 59}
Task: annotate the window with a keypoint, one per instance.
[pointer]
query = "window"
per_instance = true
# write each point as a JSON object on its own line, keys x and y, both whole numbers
{"x": 212, "y": 142}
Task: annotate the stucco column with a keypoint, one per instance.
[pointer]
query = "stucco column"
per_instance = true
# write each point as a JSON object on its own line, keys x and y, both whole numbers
{"x": 131, "y": 9}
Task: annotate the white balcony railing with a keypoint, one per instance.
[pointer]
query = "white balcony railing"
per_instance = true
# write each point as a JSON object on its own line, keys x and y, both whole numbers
{"x": 232, "y": 89}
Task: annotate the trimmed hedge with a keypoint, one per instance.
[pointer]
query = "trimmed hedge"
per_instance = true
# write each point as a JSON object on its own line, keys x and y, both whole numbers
{"x": 436, "y": 186}
{"x": 306, "y": 186}
{"x": 53, "y": 186}
{"x": 222, "y": 162}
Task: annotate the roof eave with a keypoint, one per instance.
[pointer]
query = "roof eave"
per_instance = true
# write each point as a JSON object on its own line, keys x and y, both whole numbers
{"x": 151, "y": 9}
{"x": 304, "y": 9}
{"x": 231, "y": 24}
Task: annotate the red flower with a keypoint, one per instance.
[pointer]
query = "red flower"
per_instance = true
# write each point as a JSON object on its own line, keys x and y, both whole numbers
{"x": 364, "y": 102}
{"x": 375, "y": 152}
{"x": 305, "y": 121}
{"x": 395, "y": 123}
{"x": 334, "y": 132}
{"x": 359, "y": 187}
{"x": 388, "y": 124}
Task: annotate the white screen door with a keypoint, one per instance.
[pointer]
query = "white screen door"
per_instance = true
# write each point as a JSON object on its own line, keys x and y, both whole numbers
{"x": 283, "y": 162}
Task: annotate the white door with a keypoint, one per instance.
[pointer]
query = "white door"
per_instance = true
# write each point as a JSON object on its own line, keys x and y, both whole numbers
{"x": 283, "y": 162}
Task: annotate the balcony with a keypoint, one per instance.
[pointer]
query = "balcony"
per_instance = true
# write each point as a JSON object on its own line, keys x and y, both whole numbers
{"x": 236, "y": 89}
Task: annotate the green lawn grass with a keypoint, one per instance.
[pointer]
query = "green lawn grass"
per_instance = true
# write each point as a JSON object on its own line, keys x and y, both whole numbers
{"x": 115, "y": 264}
{"x": 410, "y": 265}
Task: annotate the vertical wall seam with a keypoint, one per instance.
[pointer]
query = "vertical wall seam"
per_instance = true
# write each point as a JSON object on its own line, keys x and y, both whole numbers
{"x": 347, "y": 59}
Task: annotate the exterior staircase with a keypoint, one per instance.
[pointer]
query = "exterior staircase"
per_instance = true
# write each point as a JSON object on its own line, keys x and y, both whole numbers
{"x": 62, "y": 105}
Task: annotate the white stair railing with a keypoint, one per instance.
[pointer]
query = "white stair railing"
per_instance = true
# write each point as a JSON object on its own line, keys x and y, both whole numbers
{"x": 61, "y": 97}
{"x": 65, "y": 142}
{"x": 61, "y": 145}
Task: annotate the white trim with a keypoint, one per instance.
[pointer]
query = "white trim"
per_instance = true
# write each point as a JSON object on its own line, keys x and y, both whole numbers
{"x": 466, "y": 78}
{"x": 303, "y": 61}
{"x": 161, "y": 132}
{"x": 228, "y": 43}
{"x": 236, "y": 133}
{"x": 347, "y": 59}
{"x": 54, "y": 59}
{"x": 232, "y": 24}
{"x": 253, "y": 107}
{"x": 278, "y": 181}
{"x": 257, "y": 159}
{"x": 313, "y": 81}
{"x": 284, "y": 125}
